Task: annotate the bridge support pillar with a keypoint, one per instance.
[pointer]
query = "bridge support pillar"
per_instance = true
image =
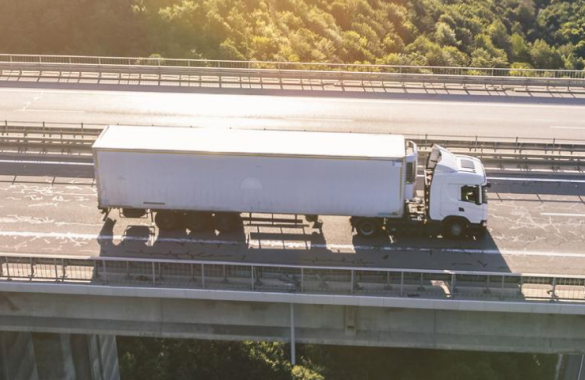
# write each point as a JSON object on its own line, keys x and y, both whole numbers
{"x": 39, "y": 356}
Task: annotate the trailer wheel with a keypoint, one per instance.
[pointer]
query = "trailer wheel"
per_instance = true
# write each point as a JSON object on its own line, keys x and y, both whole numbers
{"x": 198, "y": 221}
{"x": 226, "y": 221}
{"x": 455, "y": 229}
{"x": 167, "y": 220}
{"x": 367, "y": 227}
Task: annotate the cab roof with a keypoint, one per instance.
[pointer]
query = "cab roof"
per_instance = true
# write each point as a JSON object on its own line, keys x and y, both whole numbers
{"x": 251, "y": 142}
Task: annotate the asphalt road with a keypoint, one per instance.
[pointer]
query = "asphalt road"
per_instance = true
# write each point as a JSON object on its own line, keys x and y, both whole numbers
{"x": 534, "y": 227}
{"x": 440, "y": 115}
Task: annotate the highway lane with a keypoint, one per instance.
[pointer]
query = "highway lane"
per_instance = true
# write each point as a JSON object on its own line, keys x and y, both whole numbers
{"x": 438, "y": 117}
{"x": 534, "y": 227}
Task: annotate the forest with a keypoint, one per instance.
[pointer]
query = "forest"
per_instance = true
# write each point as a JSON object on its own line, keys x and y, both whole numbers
{"x": 547, "y": 34}
{"x": 175, "y": 359}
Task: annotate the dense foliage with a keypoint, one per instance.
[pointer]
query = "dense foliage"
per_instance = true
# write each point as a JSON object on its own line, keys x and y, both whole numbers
{"x": 162, "y": 359}
{"x": 489, "y": 33}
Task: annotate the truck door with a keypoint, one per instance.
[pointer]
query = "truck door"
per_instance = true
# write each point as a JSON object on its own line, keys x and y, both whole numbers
{"x": 470, "y": 205}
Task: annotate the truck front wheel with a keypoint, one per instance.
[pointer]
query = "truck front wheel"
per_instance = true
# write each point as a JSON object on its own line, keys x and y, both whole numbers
{"x": 367, "y": 227}
{"x": 167, "y": 220}
{"x": 455, "y": 229}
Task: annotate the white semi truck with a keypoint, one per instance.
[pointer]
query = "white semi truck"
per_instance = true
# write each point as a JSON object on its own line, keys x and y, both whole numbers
{"x": 198, "y": 178}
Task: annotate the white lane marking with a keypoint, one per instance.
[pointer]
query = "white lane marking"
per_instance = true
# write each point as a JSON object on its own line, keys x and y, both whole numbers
{"x": 561, "y": 180}
{"x": 562, "y": 214}
{"x": 60, "y": 111}
{"x": 253, "y": 243}
{"x": 46, "y": 162}
{"x": 563, "y": 127}
{"x": 316, "y": 119}
{"x": 537, "y": 179}
{"x": 419, "y": 175}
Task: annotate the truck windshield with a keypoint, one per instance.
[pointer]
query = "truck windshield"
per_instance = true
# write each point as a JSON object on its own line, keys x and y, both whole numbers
{"x": 484, "y": 195}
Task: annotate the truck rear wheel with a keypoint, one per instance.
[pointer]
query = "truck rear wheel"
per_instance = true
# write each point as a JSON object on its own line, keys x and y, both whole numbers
{"x": 367, "y": 227}
{"x": 198, "y": 221}
{"x": 455, "y": 229}
{"x": 226, "y": 221}
{"x": 167, "y": 220}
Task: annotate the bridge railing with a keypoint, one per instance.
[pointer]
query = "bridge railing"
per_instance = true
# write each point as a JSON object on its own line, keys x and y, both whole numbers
{"x": 79, "y": 137}
{"x": 194, "y": 70}
{"x": 296, "y": 279}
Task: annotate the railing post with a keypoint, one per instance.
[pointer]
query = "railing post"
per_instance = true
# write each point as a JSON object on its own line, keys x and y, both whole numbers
{"x": 63, "y": 269}
{"x": 502, "y": 288}
{"x": 203, "y": 276}
{"x": 352, "y": 280}
{"x": 252, "y": 276}
{"x": 105, "y": 271}
{"x": 32, "y": 269}
{"x": 302, "y": 280}
{"x": 56, "y": 270}
{"x": 401, "y": 283}
{"x": 453, "y": 285}
{"x": 554, "y": 288}
{"x": 7, "y": 268}
{"x": 153, "y": 273}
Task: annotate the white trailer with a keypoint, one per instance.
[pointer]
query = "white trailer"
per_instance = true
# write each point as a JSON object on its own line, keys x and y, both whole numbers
{"x": 196, "y": 177}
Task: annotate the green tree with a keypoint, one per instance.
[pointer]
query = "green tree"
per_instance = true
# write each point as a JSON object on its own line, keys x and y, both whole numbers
{"x": 444, "y": 35}
{"x": 520, "y": 50}
{"x": 545, "y": 57}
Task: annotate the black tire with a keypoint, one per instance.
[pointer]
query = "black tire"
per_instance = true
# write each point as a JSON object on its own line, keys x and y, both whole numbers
{"x": 167, "y": 220}
{"x": 367, "y": 227}
{"x": 226, "y": 221}
{"x": 133, "y": 212}
{"x": 198, "y": 221}
{"x": 455, "y": 229}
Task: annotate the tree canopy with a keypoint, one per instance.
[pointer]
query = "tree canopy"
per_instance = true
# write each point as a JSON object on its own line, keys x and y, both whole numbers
{"x": 166, "y": 359}
{"x": 547, "y": 34}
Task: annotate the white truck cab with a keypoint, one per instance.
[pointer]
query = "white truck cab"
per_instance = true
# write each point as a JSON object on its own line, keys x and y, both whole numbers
{"x": 456, "y": 192}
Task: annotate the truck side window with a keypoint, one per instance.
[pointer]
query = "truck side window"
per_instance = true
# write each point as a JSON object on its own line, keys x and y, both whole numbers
{"x": 470, "y": 194}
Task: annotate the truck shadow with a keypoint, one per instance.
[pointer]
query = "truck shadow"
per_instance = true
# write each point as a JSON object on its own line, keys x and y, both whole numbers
{"x": 303, "y": 246}
{"x": 147, "y": 241}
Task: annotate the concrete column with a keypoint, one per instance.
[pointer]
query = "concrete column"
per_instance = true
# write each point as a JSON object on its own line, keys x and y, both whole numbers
{"x": 40, "y": 356}
{"x": 17, "y": 356}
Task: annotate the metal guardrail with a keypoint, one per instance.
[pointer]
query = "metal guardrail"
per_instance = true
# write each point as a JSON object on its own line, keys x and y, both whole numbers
{"x": 222, "y": 70}
{"x": 78, "y": 138}
{"x": 376, "y": 282}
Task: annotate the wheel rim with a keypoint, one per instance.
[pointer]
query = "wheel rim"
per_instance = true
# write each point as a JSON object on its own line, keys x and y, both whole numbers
{"x": 367, "y": 228}
{"x": 456, "y": 229}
